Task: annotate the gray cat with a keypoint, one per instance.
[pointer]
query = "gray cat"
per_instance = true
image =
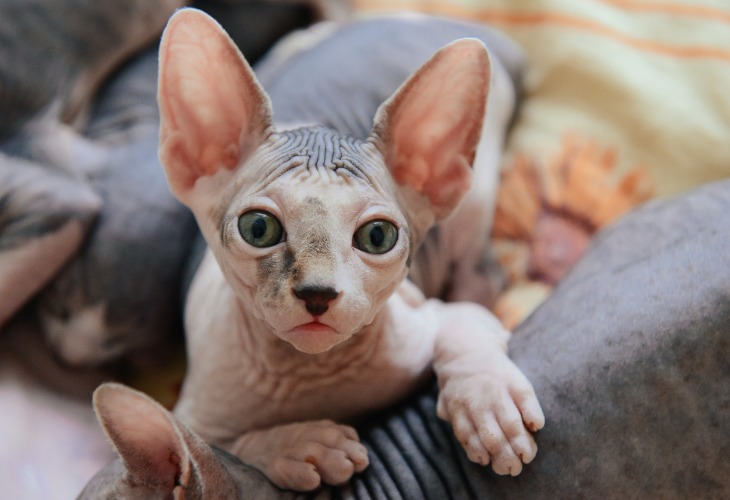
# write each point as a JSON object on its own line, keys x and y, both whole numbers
{"x": 55, "y": 57}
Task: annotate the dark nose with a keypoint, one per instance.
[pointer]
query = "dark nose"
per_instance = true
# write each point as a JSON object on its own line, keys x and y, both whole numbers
{"x": 316, "y": 298}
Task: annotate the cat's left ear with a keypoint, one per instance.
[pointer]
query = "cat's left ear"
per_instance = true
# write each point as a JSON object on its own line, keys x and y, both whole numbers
{"x": 162, "y": 458}
{"x": 428, "y": 131}
{"x": 144, "y": 435}
{"x": 213, "y": 111}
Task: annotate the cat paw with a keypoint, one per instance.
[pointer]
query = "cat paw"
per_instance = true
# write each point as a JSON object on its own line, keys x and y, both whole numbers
{"x": 301, "y": 456}
{"x": 493, "y": 415}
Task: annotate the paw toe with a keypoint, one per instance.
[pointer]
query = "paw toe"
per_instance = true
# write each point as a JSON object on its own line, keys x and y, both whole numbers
{"x": 507, "y": 464}
{"x": 336, "y": 468}
{"x": 295, "y": 475}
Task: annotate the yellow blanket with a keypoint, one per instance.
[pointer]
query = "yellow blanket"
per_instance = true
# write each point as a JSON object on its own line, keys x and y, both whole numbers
{"x": 649, "y": 79}
{"x": 623, "y": 100}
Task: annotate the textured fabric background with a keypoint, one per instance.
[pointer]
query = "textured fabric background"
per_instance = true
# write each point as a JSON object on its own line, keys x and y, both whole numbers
{"x": 646, "y": 78}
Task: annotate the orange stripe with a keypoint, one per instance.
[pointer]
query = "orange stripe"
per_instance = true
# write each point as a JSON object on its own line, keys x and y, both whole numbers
{"x": 532, "y": 19}
{"x": 672, "y": 8}
{"x": 543, "y": 18}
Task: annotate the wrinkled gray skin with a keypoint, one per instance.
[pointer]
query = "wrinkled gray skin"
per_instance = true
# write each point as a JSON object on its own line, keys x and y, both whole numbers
{"x": 55, "y": 54}
{"x": 120, "y": 293}
{"x": 629, "y": 357}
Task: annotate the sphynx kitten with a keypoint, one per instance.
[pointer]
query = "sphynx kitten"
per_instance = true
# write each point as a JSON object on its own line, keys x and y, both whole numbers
{"x": 652, "y": 344}
{"x": 301, "y": 314}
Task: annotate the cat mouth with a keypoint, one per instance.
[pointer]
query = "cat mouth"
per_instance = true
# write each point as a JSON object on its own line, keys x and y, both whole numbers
{"x": 313, "y": 327}
{"x": 314, "y": 337}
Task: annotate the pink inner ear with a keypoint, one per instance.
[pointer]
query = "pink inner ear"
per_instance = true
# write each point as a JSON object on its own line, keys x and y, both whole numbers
{"x": 211, "y": 106}
{"x": 433, "y": 123}
{"x": 143, "y": 434}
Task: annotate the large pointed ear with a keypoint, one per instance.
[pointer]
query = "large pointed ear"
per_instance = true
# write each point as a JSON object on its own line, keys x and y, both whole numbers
{"x": 158, "y": 451}
{"x": 214, "y": 113}
{"x": 144, "y": 435}
{"x": 429, "y": 129}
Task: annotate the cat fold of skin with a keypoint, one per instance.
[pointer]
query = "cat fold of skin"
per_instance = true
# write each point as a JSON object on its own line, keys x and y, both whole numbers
{"x": 300, "y": 315}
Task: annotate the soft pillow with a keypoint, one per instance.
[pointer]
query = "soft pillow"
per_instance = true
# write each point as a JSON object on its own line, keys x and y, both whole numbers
{"x": 645, "y": 79}
{"x": 623, "y": 100}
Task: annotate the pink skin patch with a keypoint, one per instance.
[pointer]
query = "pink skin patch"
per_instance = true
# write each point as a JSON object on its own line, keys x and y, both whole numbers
{"x": 314, "y": 337}
{"x": 314, "y": 327}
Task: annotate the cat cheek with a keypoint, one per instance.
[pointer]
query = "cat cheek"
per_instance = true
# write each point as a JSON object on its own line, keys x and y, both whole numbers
{"x": 388, "y": 287}
{"x": 270, "y": 311}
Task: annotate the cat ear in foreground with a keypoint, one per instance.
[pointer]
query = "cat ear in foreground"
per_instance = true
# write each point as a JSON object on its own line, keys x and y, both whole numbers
{"x": 213, "y": 111}
{"x": 428, "y": 131}
{"x": 160, "y": 456}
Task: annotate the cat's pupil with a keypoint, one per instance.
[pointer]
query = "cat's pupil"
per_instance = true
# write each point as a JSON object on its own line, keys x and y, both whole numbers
{"x": 258, "y": 228}
{"x": 377, "y": 236}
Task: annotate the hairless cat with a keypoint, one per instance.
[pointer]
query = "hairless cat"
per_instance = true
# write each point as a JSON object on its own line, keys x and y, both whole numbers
{"x": 629, "y": 356}
{"x": 299, "y": 319}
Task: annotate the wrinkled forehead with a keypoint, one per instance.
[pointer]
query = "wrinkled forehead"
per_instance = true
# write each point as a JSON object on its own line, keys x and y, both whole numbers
{"x": 315, "y": 160}
{"x": 315, "y": 171}
{"x": 323, "y": 151}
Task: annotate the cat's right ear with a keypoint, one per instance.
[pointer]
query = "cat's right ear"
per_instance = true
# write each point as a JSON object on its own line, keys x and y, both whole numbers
{"x": 213, "y": 111}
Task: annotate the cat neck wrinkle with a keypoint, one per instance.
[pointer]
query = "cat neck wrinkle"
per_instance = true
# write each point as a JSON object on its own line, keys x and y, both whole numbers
{"x": 276, "y": 368}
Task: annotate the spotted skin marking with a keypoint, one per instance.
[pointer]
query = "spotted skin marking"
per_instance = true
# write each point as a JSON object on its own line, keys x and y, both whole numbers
{"x": 277, "y": 269}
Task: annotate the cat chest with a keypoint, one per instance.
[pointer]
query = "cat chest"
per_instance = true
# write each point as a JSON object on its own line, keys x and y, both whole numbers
{"x": 339, "y": 396}
{"x": 247, "y": 398}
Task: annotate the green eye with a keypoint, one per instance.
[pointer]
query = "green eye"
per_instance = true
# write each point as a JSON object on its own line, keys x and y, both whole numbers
{"x": 260, "y": 229}
{"x": 378, "y": 236}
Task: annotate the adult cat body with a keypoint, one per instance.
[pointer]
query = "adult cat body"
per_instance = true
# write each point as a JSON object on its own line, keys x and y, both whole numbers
{"x": 300, "y": 313}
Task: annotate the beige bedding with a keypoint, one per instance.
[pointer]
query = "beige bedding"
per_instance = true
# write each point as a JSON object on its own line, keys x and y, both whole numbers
{"x": 623, "y": 100}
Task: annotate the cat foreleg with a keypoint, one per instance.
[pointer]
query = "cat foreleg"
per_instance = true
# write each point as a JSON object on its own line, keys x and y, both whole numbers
{"x": 490, "y": 403}
{"x": 300, "y": 456}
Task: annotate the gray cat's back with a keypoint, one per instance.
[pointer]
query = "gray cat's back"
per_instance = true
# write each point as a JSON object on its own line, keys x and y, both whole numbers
{"x": 57, "y": 52}
{"x": 120, "y": 294}
{"x": 54, "y": 56}
{"x": 340, "y": 81}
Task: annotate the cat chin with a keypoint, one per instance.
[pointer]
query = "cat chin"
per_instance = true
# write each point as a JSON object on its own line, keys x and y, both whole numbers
{"x": 313, "y": 338}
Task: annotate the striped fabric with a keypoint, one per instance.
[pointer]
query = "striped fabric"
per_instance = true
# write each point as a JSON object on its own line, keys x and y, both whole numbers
{"x": 646, "y": 79}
